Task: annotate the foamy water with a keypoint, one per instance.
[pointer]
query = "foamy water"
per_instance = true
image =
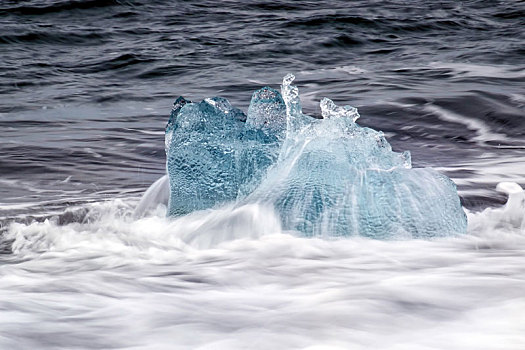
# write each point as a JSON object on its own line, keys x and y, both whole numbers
{"x": 232, "y": 279}
{"x": 86, "y": 90}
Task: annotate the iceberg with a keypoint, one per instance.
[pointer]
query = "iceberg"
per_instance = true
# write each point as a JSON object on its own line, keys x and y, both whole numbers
{"x": 324, "y": 177}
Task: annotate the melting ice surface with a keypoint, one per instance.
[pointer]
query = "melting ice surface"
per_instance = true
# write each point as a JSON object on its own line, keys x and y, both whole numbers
{"x": 323, "y": 177}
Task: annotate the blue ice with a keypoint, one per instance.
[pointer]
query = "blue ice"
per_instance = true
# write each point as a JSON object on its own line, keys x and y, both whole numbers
{"x": 324, "y": 177}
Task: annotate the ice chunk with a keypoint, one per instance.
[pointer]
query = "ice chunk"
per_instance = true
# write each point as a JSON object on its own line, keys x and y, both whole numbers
{"x": 216, "y": 154}
{"x": 201, "y": 159}
{"x": 325, "y": 177}
{"x": 336, "y": 178}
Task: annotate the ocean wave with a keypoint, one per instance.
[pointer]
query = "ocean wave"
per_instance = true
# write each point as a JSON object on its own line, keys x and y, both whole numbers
{"x": 141, "y": 227}
{"x": 231, "y": 275}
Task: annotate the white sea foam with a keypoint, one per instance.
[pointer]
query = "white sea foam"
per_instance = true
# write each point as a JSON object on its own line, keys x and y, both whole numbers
{"x": 232, "y": 279}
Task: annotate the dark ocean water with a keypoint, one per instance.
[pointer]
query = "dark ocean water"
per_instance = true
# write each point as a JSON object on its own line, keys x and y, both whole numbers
{"x": 86, "y": 88}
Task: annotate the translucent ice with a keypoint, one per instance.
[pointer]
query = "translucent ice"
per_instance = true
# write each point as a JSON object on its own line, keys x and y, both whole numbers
{"x": 217, "y": 154}
{"x": 324, "y": 177}
{"x": 267, "y": 113}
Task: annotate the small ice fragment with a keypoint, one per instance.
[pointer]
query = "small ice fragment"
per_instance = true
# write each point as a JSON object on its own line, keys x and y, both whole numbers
{"x": 330, "y": 110}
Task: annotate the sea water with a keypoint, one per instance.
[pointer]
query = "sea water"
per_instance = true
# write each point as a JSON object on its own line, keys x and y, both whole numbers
{"x": 87, "y": 261}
